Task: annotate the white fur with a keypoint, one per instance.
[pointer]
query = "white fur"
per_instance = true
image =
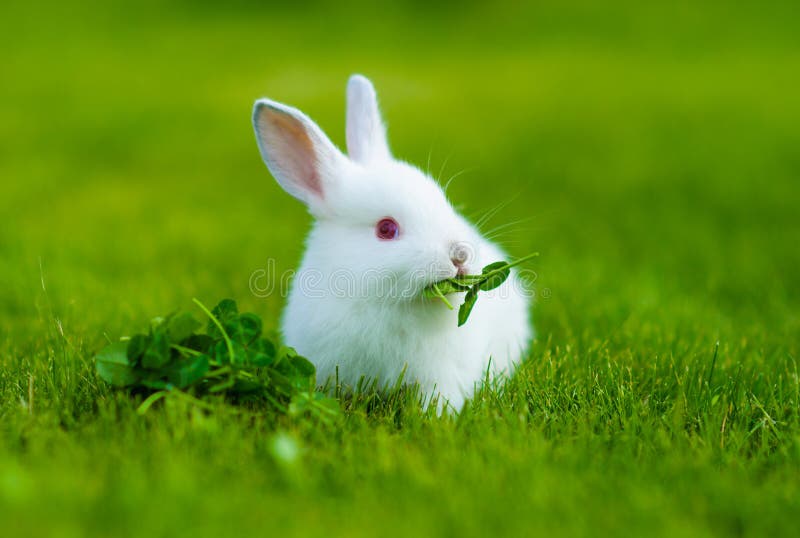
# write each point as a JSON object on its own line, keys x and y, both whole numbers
{"x": 355, "y": 302}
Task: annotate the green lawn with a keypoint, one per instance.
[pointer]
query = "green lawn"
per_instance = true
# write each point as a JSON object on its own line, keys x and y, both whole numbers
{"x": 650, "y": 154}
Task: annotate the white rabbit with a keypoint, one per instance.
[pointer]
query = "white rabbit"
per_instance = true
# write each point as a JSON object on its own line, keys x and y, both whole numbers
{"x": 383, "y": 230}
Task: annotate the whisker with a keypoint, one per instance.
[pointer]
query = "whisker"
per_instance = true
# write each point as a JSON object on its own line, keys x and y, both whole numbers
{"x": 447, "y": 184}
{"x": 491, "y": 212}
{"x": 495, "y": 210}
{"x": 428, "y": 164}
{"x": 444, "y": 164}
{"x": 509, "y": 233}
{"x": 507, "y": 225}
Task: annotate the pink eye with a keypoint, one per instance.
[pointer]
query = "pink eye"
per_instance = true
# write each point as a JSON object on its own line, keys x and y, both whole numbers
{"x": 387, "y": 229}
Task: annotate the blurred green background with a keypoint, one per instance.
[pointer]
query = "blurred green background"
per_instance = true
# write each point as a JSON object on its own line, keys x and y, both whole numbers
{"x": 649, "y": 151}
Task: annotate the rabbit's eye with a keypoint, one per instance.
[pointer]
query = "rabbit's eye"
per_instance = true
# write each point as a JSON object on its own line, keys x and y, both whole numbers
{"x": 387, "y": 229}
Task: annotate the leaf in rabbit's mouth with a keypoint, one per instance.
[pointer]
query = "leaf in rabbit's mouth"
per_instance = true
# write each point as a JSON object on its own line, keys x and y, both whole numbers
{"x": 491, "y": 277}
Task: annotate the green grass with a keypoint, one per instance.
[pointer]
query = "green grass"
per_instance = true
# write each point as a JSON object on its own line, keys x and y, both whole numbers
{"x": 650, "y": 153}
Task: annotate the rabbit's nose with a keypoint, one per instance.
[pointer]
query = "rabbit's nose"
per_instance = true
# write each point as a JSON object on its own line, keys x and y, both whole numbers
{"x": 460, "y": 254}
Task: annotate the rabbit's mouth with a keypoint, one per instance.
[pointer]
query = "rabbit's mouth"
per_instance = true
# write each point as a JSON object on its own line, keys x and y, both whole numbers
{"x": 441, "y": 277}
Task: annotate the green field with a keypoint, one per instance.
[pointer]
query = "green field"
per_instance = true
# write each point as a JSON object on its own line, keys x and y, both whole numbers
{"x": 650, "y": 154}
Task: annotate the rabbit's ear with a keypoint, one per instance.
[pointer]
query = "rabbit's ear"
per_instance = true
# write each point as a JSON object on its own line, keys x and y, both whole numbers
{"x": 296, "y": 151}
{"x": 366, "y": 134}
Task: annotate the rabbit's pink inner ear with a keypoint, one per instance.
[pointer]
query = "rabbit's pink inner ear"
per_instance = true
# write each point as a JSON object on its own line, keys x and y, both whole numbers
{"x": 288, "y": 147}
